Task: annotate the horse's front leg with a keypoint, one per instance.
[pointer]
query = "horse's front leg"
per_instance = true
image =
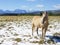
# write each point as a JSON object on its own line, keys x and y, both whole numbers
{"x": 43, "y": 33}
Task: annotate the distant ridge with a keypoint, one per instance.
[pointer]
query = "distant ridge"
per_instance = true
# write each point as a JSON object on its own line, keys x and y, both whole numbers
{"x": 19, "y": 11}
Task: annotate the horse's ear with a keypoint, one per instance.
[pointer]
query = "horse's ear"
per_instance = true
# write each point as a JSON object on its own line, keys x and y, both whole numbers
{"x": 41, "y": 13}
{"x": 45, "y": 12}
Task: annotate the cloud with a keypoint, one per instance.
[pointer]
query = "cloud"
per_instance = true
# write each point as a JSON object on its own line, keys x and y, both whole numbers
{"x": 31, "y": 0}
{"x": 36, "y": 7}
{"x": 39, "y": 6}
{"x": 31, "y": 9}
{"x": 24, "y": 6}
{"x": 57, "y": 6}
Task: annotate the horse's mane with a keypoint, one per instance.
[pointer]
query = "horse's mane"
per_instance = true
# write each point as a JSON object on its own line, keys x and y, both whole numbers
{"x": 45, "y": 17}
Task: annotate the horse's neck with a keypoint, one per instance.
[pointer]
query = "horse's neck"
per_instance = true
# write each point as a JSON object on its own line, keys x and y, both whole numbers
{"x": 44, "y": 18}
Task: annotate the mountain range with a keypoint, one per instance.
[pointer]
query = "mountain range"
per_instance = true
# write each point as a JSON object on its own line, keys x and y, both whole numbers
{"x": 19, "y": 11}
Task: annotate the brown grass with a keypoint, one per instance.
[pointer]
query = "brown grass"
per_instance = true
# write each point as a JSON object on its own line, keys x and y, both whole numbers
{"x": 14, "y": 18}
{"x": 18, "y": 39}
{"x": 20, "y": 18}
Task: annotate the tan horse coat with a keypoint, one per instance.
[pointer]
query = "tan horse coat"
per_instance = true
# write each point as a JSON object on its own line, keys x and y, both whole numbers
{"x": 40, "y": 22}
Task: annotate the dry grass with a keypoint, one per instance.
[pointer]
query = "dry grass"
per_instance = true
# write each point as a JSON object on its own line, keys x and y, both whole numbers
{"x": 50, "y": 41}
{"x": 18, "y": 39}
{"x": 27, "y": 20}
{"x": 20, "y": 18}
{"x": 14, "y": 18}
{"x": 56, "y": 34}
{"x": 54, "y": 18}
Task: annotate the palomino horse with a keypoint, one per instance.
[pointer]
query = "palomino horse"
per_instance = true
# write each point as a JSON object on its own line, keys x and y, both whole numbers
{"x": 40, "y": 22}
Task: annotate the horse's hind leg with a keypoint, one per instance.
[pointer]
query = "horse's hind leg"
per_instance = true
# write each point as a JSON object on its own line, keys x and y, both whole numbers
{"x": 37, "y": 31}
{"x": 33, "y": 29}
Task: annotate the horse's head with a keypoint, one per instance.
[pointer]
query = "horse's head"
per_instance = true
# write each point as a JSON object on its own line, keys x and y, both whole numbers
{"x": 45, "y": 14}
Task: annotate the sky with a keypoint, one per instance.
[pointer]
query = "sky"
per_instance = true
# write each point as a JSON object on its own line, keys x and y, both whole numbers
{"x": 31, "y": 5}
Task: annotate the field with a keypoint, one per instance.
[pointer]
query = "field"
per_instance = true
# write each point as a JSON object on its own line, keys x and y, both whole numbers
{"x": 17, "y": 30}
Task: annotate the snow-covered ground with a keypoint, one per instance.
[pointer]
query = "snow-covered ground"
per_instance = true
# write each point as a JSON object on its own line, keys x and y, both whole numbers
{"x": 20, "y": 33}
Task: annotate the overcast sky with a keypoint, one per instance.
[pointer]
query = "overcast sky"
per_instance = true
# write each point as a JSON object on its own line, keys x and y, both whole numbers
{"x": 30, "y": 4}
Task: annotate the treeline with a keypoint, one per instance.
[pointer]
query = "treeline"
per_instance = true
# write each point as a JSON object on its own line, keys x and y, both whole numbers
{"x": 54, "y": 14}
{"x": 21, "y": 14}
{"x": 30, "y": 14}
